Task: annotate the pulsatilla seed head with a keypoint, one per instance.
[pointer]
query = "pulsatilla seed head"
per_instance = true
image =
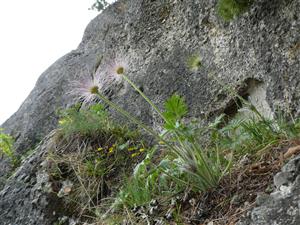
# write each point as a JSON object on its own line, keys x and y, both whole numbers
{"x": 86, "y": 90}
{"x": 94, "y": 90}
{"x": 120, "y": 70}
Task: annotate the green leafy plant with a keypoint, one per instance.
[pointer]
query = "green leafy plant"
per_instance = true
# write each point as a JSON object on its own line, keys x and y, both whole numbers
{"x": 6, "y": 147}
{"x": 204, "y": 170}
{"x": 204, "y": 167}
{"x": 148, "y": 182}
{"x": 6, "y": 143}
{"x": 180, "y": 139}
{"x": 153, "y": 180}
{"x": 228, "y": 9}
{"x": 175, "y": 110}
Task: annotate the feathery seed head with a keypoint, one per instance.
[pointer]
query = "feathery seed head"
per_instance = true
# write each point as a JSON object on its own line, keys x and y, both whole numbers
{"x": 94, "y": 90}
{"x": 86, "y": 90}
{"x": 117, "y": 68}
{"x": 120, "y": 70}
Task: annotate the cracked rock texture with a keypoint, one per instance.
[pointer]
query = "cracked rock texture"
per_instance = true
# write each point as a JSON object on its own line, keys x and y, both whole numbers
{"x": 282, "y": 207}
{"x": 157, "y": 37}
{"x": 26, "y": 198}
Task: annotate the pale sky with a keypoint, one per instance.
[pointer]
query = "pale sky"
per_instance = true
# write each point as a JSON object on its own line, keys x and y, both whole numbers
{"x": 34, "y": 34}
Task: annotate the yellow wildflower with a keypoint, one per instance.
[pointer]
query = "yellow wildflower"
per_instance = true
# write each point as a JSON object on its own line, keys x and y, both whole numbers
{"x": 135, "y": 154}
{"x": 131, "y": 148}
{"x": 62, "y": 121}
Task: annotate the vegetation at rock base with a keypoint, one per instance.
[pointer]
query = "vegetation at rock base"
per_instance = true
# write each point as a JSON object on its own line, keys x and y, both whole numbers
{"x": 105, "y": 172}
{"x": 191, "y": 174}
{"x": 173, "y": 168}
{"x": 90, "y": 154}
{"x": 252, "y": 138}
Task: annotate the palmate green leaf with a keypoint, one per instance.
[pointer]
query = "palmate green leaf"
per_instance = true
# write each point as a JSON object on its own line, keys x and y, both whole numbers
{"x": 175, "y": 109}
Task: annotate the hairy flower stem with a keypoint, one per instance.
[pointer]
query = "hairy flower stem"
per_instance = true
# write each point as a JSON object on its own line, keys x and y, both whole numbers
{"x": 178, "y": 152}
{"x": 126, "y": 114}
{"x": 134, "y": 120}
{"x": 144, "y": 96}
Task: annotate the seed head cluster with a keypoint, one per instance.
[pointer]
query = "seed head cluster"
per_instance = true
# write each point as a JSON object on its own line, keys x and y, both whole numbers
{"x": 89, "y": 88}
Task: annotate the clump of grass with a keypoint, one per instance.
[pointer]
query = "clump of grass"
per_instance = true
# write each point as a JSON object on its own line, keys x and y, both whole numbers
{"x": 229, "y": 9}
{"x": 92, "y": 153}
{"x": 252, "y": 132}
{"x": 76, "y": 121}
{"x": 92, "y": 124}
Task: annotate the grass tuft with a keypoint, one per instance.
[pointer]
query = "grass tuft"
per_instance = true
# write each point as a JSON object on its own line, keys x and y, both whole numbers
{"x": 90, "y": 156}
{"x": 229, "y": 9}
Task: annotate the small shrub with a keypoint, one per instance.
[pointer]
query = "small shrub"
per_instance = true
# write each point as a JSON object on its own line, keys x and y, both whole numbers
{"x": 228, "y": 9}
{"x": 6, "y": 148}
{"x": 6, "y": 143}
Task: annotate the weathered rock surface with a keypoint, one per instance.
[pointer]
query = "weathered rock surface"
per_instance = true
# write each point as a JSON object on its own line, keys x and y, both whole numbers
{"x": 27, "y": 197}
{"x": 282, "y": 207}
{"x": 156, "y": 38}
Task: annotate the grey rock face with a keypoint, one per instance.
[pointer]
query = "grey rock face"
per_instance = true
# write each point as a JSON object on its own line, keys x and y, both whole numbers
{"x": 157, "y": 38}
{"x": 282, "y": 207}
{"x": 27, "y": 197}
